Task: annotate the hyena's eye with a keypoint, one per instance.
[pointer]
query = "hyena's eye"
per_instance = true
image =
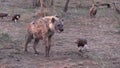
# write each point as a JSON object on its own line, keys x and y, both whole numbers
{"x": 58, "y": 25}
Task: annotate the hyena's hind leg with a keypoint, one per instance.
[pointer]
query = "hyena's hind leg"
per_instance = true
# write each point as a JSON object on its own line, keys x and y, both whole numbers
{"x": 28, "y": 40}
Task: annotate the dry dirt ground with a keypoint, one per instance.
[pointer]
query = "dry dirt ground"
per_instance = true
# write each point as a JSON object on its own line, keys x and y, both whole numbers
{"x": 101, "y": 32}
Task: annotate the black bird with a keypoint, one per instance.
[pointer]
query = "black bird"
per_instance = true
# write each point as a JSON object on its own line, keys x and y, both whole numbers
{"x": 81, "y": 42}
{"x": 3, "y": 15}
{"x": 16, "y": 17}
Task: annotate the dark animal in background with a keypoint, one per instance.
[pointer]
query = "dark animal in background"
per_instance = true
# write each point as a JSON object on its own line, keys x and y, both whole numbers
{"x": 15, "y": 18}
{"x": 3, "y": 15}
{"x": 103, "y": 4}
{"x": 43, "y": 29}
{"x": 93, "y": 10}
{"x": 81, "y": 42}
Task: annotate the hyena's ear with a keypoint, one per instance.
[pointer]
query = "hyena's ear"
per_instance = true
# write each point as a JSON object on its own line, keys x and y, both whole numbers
{"x": 57, "y": 16}
{"x": 53, "y": 20}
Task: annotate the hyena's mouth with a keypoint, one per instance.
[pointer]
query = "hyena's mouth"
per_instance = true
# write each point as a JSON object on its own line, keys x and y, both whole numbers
{"x": 59, "y": 27}
{"x": 60, "y": 30}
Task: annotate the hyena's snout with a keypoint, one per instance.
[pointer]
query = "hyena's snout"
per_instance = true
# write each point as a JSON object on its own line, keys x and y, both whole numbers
{"x": 60, "y": 28}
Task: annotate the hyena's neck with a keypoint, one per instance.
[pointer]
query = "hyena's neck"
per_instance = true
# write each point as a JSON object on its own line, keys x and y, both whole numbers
{"x": 50, "y": 32}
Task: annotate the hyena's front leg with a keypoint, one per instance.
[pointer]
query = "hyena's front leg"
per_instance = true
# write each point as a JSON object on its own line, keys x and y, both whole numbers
{"x": 45, "y": 40}
{"x": 29, "y": 38}
{"x": 35, "y": 44}
{"x": 49, "y": 45}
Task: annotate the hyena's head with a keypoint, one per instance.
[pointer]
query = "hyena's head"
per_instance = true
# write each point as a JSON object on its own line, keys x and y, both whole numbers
{"x": 56, "y": 23}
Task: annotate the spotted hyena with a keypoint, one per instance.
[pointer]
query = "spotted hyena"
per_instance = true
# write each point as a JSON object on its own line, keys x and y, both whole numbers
{"x": 43, "y": 29}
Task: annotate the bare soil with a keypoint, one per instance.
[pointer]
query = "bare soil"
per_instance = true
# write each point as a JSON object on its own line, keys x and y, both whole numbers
{"x": 103, "y": 50}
